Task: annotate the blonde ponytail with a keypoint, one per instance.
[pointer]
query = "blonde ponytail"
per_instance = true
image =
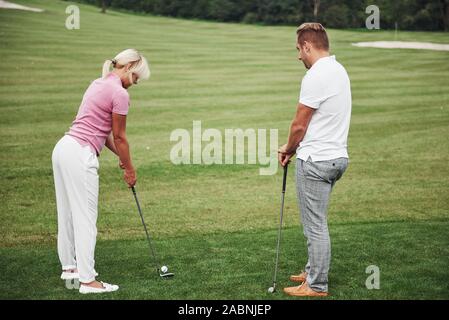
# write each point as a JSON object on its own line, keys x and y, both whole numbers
{"x": 106, "y": 67}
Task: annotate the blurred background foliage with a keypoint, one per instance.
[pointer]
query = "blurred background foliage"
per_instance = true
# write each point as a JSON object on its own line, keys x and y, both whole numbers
{"x": 407, "y": 14}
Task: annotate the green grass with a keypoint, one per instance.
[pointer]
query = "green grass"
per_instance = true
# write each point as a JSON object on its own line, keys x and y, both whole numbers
{"x": 216, "y": 225}
{"x": 239, "y": 265}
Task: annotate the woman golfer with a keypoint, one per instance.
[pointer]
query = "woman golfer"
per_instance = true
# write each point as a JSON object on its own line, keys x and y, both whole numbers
{"x": 101, "y": 120}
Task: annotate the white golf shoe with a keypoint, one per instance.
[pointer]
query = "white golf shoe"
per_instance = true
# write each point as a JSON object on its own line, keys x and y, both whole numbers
{"x": 106, "y": 288}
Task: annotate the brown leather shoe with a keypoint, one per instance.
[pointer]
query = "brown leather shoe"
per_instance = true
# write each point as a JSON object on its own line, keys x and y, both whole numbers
{"x": 304, "y": 291}
{"x": 302, "y": 277}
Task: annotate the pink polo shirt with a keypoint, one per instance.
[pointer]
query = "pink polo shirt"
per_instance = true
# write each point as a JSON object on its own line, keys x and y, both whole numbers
{"x": 93, "y": 123}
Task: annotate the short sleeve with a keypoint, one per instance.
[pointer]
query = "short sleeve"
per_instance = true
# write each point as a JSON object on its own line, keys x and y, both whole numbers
{"x": 120, "y": 102}
{"x": 312, "y": 92}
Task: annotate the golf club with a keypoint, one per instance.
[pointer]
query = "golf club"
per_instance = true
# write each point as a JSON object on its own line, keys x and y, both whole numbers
{"x": 284, "y": 182}
{"x": 162, "y": 271}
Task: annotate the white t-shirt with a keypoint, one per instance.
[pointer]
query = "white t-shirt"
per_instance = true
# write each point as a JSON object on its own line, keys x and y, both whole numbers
{"x": 326, "y": 88}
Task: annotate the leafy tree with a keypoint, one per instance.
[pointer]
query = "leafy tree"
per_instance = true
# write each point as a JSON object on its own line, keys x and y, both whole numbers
{"x": 408, "y": 14}
{"x": 337, "y": 16}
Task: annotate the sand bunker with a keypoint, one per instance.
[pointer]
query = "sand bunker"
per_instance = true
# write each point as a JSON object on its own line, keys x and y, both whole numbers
{"x": 403, "y": 45}
{"x": 9, "y": 5}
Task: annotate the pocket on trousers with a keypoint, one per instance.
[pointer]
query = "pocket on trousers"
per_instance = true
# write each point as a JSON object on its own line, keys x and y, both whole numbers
{"x": 90, "y": 159}
{"x": 93, "y": 162}
{"x": 319, "y": 170}
{"x": 341, "y": 164}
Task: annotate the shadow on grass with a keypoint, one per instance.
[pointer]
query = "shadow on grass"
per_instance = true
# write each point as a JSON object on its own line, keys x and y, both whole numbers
{"x": 412, "y": 257}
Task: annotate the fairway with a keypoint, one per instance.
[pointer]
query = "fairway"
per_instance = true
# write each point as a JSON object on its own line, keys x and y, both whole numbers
{"x": 215, "y": 226}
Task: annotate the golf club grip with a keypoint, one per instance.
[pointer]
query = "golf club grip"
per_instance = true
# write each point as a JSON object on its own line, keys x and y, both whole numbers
{"x": 284, "y": 180}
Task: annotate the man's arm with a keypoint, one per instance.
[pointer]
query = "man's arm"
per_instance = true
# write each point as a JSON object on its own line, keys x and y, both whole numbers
{"x": 298, "y": 129}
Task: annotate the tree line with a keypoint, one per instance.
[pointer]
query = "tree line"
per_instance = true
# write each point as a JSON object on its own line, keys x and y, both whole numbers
{"x": 405, "y": 14}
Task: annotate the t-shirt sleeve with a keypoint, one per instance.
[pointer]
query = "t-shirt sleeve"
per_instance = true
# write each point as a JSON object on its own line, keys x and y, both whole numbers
{"x": 120, "y": 102}
{"x": 312, "y": 92}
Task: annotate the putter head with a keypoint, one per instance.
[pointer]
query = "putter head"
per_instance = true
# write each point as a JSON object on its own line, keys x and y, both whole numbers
{"x": 166, "y": 275}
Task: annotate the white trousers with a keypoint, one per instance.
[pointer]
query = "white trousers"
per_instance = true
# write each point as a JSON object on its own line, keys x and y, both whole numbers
{"x": 75, "y": 170}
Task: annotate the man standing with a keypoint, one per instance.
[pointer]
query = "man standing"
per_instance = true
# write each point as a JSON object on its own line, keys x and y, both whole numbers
{"x": 318, "y": 135}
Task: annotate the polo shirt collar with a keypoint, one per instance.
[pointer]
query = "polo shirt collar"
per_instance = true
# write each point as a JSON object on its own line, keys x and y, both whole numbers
{"x": 322, "y": 60}
{"x": 115, "y": 78}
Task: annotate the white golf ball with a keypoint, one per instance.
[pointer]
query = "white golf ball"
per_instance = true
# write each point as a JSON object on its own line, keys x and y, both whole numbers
{"x": 164, "y": 269}
{"x": 270, "y": 289}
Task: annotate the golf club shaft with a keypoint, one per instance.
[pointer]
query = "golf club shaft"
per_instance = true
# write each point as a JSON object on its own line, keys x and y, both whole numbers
{"x": 284, "y": 182}
{"x": 156, "y": 262}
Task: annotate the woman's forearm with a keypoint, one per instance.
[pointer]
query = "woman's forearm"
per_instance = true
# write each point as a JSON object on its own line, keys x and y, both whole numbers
{"x": 122, "y": 147}
{"x": 111, "y": 145}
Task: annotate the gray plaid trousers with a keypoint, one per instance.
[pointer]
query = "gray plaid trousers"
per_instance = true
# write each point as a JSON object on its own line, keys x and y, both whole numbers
{"x": 314, "y": 183}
